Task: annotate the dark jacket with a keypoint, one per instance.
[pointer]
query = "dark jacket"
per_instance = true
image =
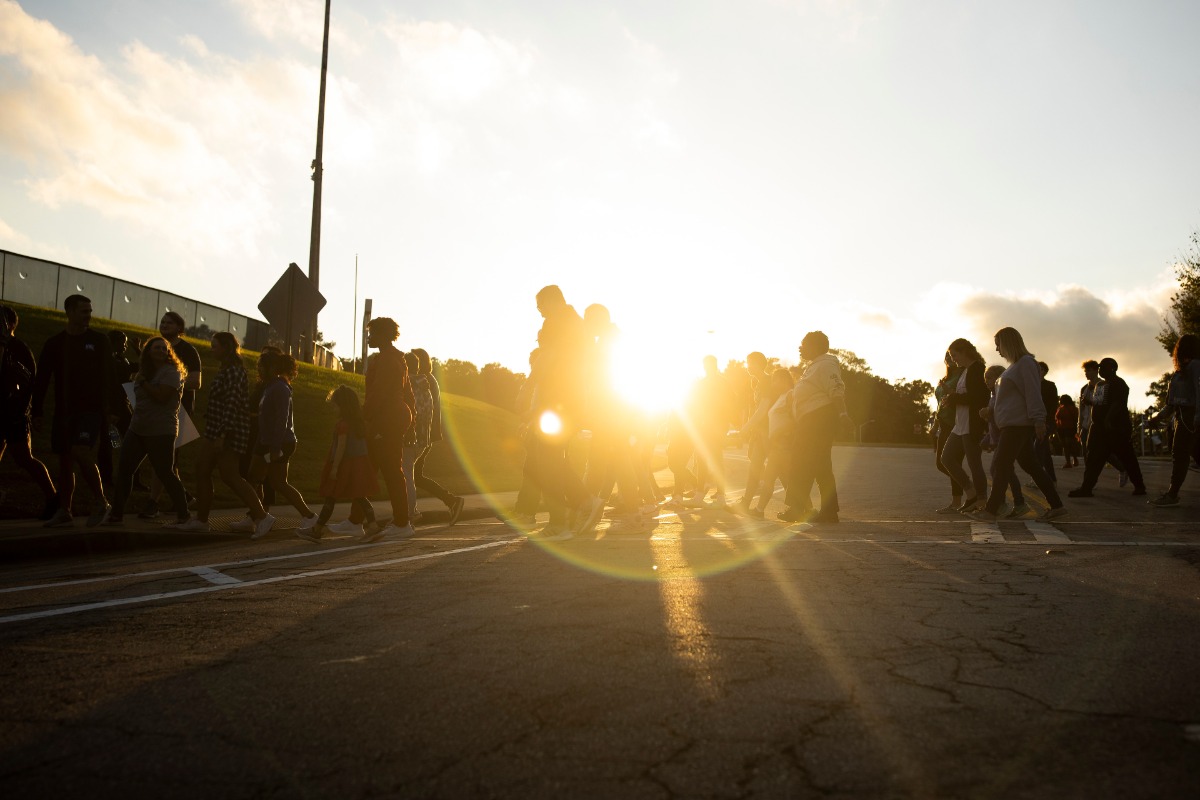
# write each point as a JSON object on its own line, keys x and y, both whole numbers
{"x": 975, "y": 398}
{"x": 389, "y": 404}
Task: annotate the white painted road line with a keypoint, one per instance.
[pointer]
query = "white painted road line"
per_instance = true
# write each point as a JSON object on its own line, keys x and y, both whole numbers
{"x": 1045, "y": 533}
{"x": 149, "y": 598}
{"x": 212, "y": 576}
{"x": 986, "y": 533}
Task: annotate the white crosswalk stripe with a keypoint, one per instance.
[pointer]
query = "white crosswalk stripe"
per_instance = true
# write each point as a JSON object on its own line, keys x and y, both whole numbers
{"x": 1045, "y": 533}
{"x": 986, "y": 533}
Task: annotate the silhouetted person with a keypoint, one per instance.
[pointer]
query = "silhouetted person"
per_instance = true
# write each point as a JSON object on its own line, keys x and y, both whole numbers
{"x": 969, "y": 397}
{"x": 560, "y": 388}
{"x": 454, "y": 503}
{"x": 78, "y": 363}
{"x": 755, "y": 435}
{"x": 1050, "y": 400}
{"x": 1111, "y": 432}
{"x": 388, "y": 411}
{"x": 818, "y": 405}
{"x": 1020, "y": 415}
{"x": 1183, "y": 408}
{"x": 18, "y": 371}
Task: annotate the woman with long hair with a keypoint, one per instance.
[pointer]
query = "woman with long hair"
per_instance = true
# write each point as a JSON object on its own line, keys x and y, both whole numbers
{"x": 226, "y": 438}
{"x": 1021, "y": 416}
{"x": 942, "y": 425}
{"x": 1183, "y": 406}
{"x": 153, "y": 427}
{"x": 969, "y": 396}
{"x": 277, "y": 437}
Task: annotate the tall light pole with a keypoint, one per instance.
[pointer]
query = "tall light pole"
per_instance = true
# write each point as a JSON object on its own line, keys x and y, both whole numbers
{"x": 318, "y": 168}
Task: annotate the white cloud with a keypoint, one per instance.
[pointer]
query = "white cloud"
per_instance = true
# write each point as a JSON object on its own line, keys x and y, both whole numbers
{"x": 169, "y": 145}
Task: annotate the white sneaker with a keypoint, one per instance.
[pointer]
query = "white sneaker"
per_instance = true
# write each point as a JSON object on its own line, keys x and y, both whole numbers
{"x": 557, "y": 535}
{"x": 263, "y": 527}
{"x": 393, "y": 531}
{"x": 99, "y": 516}
{"x": 61, "y": 519}
{"x": 589, "y": 516}
{"x": 308, "y": 523}
{"x": 346, "y": 527}
{"x": 243, "y": 525}
{"x": 191, "y": 525}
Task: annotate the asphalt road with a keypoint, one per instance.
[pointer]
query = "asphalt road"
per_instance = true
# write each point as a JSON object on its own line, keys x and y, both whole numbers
{"x": 899, "y": 653}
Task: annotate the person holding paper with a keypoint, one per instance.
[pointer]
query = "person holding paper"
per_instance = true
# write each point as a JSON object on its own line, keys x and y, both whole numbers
{"x": 157, "y": 387}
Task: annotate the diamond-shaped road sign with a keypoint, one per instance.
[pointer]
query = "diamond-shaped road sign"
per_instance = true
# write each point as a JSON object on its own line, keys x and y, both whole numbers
{"x": 292, "y": 304}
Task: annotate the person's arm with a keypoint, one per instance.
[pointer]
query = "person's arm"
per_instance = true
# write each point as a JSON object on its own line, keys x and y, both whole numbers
{"x": 1031, "y": 385}
{"x": 164, "y": 388}
{"x": 194, "y": 369}
{"x": 48, "y": 366}
{"x": 339, "y": 453}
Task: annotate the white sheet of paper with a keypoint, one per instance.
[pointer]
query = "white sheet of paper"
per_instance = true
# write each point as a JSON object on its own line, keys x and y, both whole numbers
{"x": 187, "y": 429}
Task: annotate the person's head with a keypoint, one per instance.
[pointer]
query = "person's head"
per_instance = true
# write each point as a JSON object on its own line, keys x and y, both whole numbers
{"x": 992, "y": 374}
{"x": 349, "y": 409}
{"x": 756, "y": 362}
{"x": 710, "y": 365}
{"x": 963, "y": 353}
{"x": 79, "y": 310}
{"x": 1066, "y": 400}
{"x": 424, "y": 363}
{"x": 596, "y": 319}
{"x": 1186, "y": 349}
{"x": 781, "y": 380}
{"x": 226, "y": 347}
{"x": 549, "y": 300}
{"x": 813, "y": 345}
{"x": 265, "y": 367}
{"x": 1091, "y": 369}
{"x": 382, "y": 331}
{"x": 1108, "y": 368}
{"x": 10, "y": 319}
{"x": 118, "y": 341}
{"x": 1010, "y": 345}
{"x": 283, "y": 366}
{"x": 171, "y": 325}
{"x": 411, "y": 361}
{"x": 1044, "y": 367}
{"x": 156, "y": 354}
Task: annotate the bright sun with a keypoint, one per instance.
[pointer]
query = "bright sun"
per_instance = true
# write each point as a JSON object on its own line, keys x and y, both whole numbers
{"x": 650, "y": 380}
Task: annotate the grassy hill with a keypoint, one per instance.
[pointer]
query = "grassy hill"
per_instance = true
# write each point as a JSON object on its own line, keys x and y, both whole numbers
{"x": 482, "y": 452}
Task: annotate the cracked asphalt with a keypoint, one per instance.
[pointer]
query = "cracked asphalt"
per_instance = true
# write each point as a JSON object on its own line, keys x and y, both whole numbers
{"x": 713, "y": 656}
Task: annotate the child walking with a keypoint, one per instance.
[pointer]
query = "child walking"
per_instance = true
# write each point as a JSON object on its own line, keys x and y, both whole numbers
{"x": 348, "y": 473}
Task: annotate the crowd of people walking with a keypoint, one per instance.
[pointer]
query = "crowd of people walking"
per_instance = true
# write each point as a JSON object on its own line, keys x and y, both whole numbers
{"x": 105, "y": 404}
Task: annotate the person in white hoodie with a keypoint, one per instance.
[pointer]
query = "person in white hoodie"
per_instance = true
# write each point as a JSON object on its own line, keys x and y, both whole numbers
{"x": 818, "y": 406}
{"x": 1021, "y": 416}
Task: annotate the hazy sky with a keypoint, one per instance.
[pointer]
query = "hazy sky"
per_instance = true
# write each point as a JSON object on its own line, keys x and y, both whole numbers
{"x": 723, "y": 175}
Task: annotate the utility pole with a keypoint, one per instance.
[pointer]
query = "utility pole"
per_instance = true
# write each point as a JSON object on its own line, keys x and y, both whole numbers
{"x": 354, "y": 319}
{"x": 318, "y": 168}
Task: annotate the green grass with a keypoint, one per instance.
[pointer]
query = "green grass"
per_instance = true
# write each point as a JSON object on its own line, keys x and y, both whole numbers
{"x": 485, "y": 435}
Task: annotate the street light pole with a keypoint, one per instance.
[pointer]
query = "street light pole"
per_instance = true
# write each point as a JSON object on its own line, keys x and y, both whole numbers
{"x": 318, "y": 168}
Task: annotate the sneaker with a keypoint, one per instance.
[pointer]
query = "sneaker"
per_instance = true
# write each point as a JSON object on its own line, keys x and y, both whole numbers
{"x": 1081, "y": 492}
{"x": 371, "y": 534}
{"x": 523, "y": 520}
{"x": 589, "y": 515}
{"x": 718, "y": 502}
{"x": 1052, "y": 513}
{"x": 792, "y": 514}
{"x": 243, "y": 525}
{"x": 263, "y": 527}
{"x": 346, "y": 527}
{"x": 1018, "y": 511}
{"x": 394, "y": 531}
{"x": 99, "y": 516}
{"x": 1138, "y": 491}
{"x": 312, "y": 534}
{"x": 1124, "y": 479}
{"x": 968, "y": 505}
{"x": 982, "y": 515}
{"x": 757, "y": 513}
{"x": 308, "y": 523}
{"x": 560, "y": 534}
{"x": 191, "y": 525}
{"x": 1165, "y": 500}
{"x": 61, "y": 519}
{"x": 49, "y": 510}
{"x": 456, "y": 508}
{"x": 953, "y": 508}
{"x": 150, "y": 512}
